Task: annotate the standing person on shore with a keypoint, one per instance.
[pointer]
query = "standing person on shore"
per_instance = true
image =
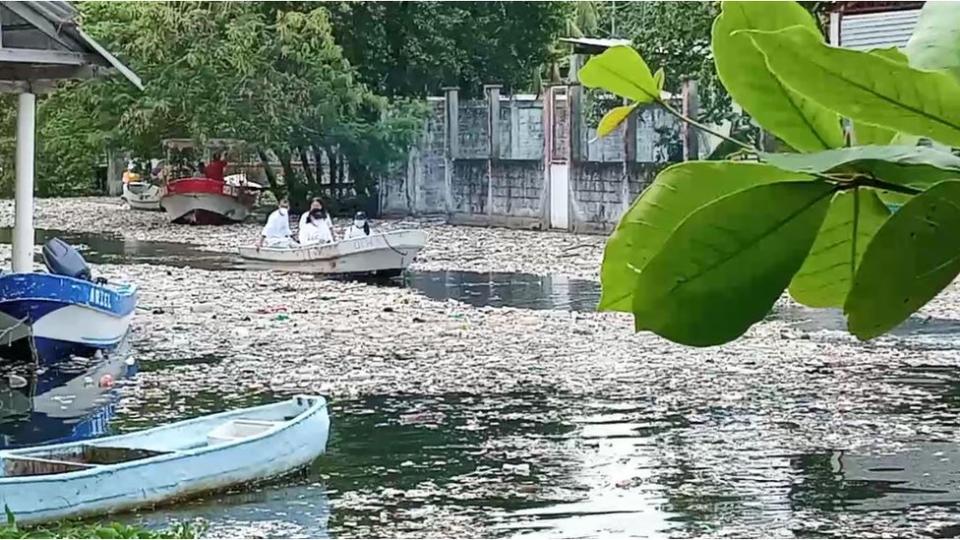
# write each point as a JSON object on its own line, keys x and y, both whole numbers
{"x": 276, "y": 233}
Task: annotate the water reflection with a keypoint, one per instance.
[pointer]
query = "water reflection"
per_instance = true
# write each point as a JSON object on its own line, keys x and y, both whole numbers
{"x": 71, "y": 401}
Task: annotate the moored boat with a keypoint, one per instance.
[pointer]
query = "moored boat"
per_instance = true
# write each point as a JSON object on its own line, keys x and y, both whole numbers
{"x": 63, "y": 312}
{"x": 142, "y": 195}
{"x": 175, "y": 461}
{"x": 205, "y": 201}
{"x": 383, "y": 253}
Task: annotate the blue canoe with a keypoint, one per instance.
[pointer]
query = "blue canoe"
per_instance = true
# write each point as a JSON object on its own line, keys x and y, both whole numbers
{"x": 125, "y": 472}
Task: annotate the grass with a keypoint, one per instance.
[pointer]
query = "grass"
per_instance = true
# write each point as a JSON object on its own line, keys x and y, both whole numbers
{"x": 69, "y": 529}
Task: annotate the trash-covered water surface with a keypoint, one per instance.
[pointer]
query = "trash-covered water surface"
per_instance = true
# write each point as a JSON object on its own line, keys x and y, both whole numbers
{"x": 455, "y": 418}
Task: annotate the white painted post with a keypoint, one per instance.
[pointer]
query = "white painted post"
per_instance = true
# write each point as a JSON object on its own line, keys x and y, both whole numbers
{"x": 23, "y": 199}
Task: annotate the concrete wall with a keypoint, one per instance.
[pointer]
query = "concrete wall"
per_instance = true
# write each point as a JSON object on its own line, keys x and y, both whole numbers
{"x": 451, "y": 172}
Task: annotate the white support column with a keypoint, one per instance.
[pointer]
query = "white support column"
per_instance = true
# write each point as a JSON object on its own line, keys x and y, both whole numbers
{"x": 23, "y": 220}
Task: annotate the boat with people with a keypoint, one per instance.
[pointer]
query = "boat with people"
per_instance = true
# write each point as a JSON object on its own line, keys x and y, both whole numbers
{"x": 204, "y": 194}
{"x": 387, "y": 253}
{"x": 142, "y": 195}
{"x": 66, "y": 311}
{"x": 162, "y": 464}
{"x": 138, "y": 192}
{"x": 208, "y": 201}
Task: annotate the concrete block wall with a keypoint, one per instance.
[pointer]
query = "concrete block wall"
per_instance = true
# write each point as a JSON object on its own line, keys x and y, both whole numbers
{"x": 451, "y": 172}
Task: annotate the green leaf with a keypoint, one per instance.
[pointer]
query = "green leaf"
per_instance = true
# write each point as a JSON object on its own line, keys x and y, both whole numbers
{"x": 866, "y": 134}
{"x": 801, "y": 123}
{"x": 725, "y": 266}
{"x": 862, "y": 86}
{"x": 675, "y": 194}
{"x": 825, "y": 277}
{"x": 935, "y": 43}
{"x": 612, "y": 120}
{"x": 906, "y": 165}
{"x": 659, "y": 78}
{"x": 913, "y": 256}
{"x": 622, "y": 71}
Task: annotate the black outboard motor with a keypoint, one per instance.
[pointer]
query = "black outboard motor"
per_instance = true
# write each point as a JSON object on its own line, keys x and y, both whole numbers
{"x": 62, "y": 259}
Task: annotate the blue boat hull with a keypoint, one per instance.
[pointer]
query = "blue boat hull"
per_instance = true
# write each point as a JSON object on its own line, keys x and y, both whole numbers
{"x": 64, "y": 316}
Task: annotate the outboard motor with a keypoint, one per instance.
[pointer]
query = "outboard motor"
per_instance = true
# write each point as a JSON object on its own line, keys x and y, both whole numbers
{"x": 62, "y": 259}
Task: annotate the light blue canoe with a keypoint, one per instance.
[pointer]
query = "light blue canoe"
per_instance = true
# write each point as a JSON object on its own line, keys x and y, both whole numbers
{"x": 176, "y": 461}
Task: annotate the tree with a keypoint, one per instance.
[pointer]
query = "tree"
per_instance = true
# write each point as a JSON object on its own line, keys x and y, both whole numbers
{"x": 709, "y": 247}
{"x": 270, "y": 74}
{"x": 416, "y": 48}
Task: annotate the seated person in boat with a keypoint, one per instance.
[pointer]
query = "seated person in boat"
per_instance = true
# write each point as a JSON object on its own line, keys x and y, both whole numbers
{"x": 277, "y": 233}
{"x": 360, "y": 227}
{"x": 316, "y": 204}
{"x": 316, "y": 230}
{"x": 130, "y": 174}
{"x": 216, "y": 169}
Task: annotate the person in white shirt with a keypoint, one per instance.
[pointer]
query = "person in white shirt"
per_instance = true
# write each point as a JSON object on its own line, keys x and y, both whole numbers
{"x": 360, "y": 227}
{"x": 316, "y": 204}
{"x": 316, "y": 230}
{"x": 276, "y": 233}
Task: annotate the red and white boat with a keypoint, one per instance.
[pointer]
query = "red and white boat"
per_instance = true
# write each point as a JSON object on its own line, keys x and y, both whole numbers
{"x": 205, "y": 201}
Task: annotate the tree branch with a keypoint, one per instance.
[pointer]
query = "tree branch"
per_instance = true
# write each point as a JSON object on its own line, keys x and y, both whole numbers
{"x": 703, "y": 127}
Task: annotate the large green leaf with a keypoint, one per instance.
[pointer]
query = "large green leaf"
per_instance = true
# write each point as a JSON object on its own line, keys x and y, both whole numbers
{"x": 866, "y": 134}
{"x": 935, "y": 43}
{"x": 907, "y": 165}
{"x": 913, "y": 256}
{"x": 862, "y": 86}
{"x": 825, "y": 277}
{"x": 724, "y": 267}
{"x": 801, "y": 123}
{"x": 675, "y": 193}
{"x": 622, "y": 71}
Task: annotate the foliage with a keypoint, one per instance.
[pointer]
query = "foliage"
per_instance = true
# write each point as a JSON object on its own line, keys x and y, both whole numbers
{"x": 95, "y": 530}
{"x": 268, "y": 73}
{"x": 709, "y": 247}
{"x": 416, "y": 48}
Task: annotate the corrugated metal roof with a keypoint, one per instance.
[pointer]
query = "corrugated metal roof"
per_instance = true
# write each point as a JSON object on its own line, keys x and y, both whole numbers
{"x": 57, "y": 20}
{"x": 876, "y": 30}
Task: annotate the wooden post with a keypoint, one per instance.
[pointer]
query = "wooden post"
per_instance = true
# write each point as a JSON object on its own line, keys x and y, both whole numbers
{"x": 691, "y": 109}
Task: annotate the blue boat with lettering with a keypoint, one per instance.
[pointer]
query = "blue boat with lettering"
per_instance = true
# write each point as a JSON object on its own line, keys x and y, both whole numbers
{"x": 64, "y": 312}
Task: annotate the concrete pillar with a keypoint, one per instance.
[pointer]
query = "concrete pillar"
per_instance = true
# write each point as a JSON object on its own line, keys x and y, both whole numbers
{"x": 835, "y": 28}
{"x": 691, "y": 109}
{"x": 451, "y": 132}
{"x": 578, "y": 138}
{"x": 514, "y": 128}
{"x": 492, "y": 92}
{"x": 23, "y": 198}
{"x": 629, "y": 156}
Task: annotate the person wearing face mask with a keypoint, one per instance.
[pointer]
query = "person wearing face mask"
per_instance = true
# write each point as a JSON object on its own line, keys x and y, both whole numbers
{"x": 276, "y": 233}
{"x": 316, "y": 230}
{"x": 315, "y": 204}
{"x": 360, "y": 227}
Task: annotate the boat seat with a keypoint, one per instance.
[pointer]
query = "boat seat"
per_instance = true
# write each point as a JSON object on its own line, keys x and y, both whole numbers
{"x": 64, "y": 260}
{"x": 239, "y": 428}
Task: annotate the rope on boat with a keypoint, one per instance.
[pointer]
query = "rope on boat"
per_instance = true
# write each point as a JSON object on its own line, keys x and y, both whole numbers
{"x": 387, "y": 242}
